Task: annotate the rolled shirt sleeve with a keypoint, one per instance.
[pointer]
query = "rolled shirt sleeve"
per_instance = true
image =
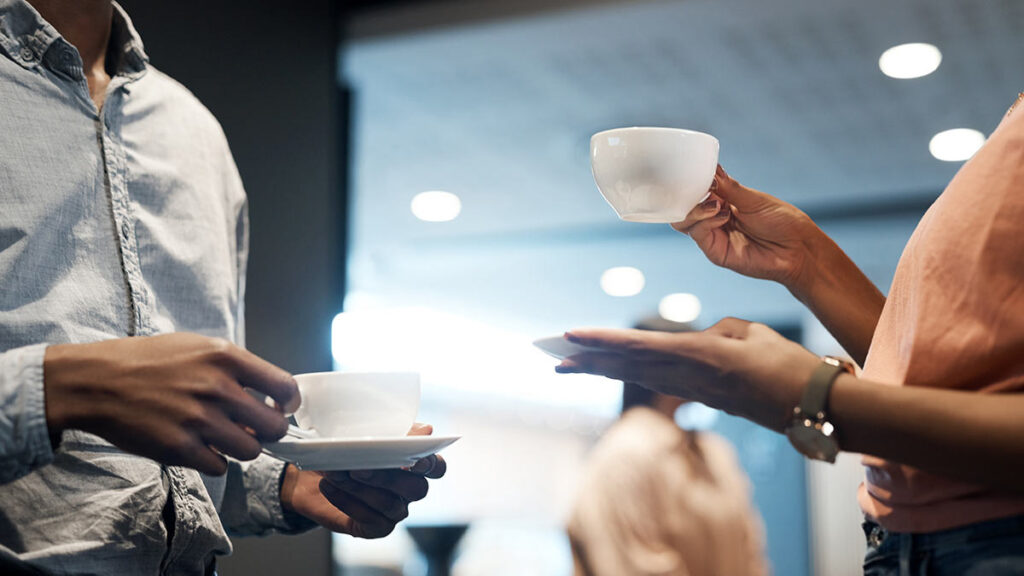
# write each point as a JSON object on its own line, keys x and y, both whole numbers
{"x": 252, "y": 500}
{"x": 24, "y": 435}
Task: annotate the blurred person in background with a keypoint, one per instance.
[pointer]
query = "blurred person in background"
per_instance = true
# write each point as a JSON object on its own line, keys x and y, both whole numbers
{"x": 938, "y": 409}
{"x": 128, "y": 443}
{"x": 657, "y": 499}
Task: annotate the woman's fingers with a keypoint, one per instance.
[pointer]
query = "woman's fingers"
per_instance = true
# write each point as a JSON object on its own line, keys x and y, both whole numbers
{"x": 640, "y": 344}
{"x": 743, "y": 198}
{"x": 731, "y": 328}
{"x": 614, "y": 366}
{"x": 707, "y": 211}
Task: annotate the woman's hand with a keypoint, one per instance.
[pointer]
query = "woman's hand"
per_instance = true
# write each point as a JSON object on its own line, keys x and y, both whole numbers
{"x": 744, "y": 368}
{"x": 761, "y": 236}
{"x": 363, "y": 504}
{"x": 752, "y": 233}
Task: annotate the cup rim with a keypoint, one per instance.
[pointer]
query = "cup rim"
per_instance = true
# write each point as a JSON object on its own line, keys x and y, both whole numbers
{"x": 653, "y": 129}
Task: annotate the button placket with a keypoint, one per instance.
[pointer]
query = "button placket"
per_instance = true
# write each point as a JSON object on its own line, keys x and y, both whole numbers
{"x": 115, "y": 164}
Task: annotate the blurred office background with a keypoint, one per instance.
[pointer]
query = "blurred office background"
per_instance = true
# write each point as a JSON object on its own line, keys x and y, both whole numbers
{"x": 341, "y": 114}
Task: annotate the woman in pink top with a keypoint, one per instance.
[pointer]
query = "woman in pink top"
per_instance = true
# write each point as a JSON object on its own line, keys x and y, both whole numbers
{"x": 938, "y": 409}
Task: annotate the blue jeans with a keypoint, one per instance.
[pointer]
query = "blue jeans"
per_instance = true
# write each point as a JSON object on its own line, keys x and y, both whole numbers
{"x": 994, "y": 548}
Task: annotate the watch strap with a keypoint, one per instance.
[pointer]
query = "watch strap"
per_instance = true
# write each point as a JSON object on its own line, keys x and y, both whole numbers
{"x": 815, "y": 398}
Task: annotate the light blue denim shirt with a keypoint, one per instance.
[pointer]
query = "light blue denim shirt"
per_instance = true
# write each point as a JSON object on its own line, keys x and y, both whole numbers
{"x": 128, "y": 222}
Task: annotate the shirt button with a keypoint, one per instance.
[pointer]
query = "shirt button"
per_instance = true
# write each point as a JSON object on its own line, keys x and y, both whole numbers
{"x": 27, "y": 53}
{"x": 124, "y": 230}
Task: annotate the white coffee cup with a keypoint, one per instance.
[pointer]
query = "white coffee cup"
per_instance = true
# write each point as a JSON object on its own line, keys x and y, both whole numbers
{"x": 358, "y": 404}
{"x": 653, "y": 174}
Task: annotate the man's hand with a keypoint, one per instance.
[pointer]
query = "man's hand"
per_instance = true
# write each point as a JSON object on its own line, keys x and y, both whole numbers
{"x": 179, "y": 399}
{"x": 744, "y": 368}
{"x": 364, "y": 504}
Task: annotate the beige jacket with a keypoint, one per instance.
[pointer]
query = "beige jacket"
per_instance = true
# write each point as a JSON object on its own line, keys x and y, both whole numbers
{"x": 657, "y": 500}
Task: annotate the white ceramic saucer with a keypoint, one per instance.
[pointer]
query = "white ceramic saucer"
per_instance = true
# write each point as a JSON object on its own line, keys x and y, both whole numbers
{"x": 561, "y": 348}
{"x": 356, "y": 453}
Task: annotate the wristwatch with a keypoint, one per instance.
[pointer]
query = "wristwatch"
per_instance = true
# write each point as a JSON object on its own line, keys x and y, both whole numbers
{"x": 810, "y": 431}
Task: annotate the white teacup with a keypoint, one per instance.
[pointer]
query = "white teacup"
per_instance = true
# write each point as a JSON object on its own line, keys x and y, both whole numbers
{"x": 358, "y": 404}
{"x": 653, "y": 174}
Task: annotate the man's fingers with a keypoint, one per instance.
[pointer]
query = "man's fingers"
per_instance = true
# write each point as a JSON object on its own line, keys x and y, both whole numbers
{"x": 229, "y": 438}
{"x": 384, "y": 502}
{"x": 432, "y": 466}
{"x": 260, "y": 375}
{"x": 265, "y": 422}
{"x": 370, "y": 518}
{"x": 205, "y": 460}
{"x": 403, "y": 483}
{"x": 420, "y": 429}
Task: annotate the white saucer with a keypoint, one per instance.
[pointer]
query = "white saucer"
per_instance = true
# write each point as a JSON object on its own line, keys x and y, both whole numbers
{"x": 561, "y": 348}
{"x": 356, "y": 453}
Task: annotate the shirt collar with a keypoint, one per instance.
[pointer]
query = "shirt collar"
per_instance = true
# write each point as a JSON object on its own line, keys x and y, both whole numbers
{"x": 26, "y": 37}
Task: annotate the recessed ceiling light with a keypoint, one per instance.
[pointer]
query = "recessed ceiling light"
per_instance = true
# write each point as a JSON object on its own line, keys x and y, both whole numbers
{"x": 910, "y": 60}
{"x": 956, "y": 145}
{"x": 436, "y": 206}
{"x": 679, "y": 307}
{"x": 622, "y": 281}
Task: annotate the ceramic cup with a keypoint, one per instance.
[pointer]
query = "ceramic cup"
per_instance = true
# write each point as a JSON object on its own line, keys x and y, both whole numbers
{"x": 358, "y": 404}
{"x": 653, "y": 174}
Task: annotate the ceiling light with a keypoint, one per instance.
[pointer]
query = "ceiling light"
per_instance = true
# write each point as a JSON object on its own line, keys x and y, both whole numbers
{"x": 910, "y": 60}
{"x": 956, "y": 145}
{"x": 436, "y": 206}
{"x": 679, "y": 307}
{"x": 622, "y": 281}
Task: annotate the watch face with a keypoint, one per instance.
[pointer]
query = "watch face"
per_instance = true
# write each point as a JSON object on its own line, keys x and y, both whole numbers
{"x": 810, "y": 441}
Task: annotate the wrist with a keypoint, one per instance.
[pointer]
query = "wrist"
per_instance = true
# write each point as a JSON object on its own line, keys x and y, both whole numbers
{"x": 68, "y": 400}
{"x": 824, "y": 267}
{"x": 289, "y": 482}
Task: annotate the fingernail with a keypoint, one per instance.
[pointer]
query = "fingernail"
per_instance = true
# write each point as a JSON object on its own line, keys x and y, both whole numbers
{"x": 713, "y": 205}
{"x": 361, "y": 474}
{"x": 562, "y": 369}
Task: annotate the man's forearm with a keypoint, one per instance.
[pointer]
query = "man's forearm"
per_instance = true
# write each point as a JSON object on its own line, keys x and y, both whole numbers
{"x": 839, "y": 294}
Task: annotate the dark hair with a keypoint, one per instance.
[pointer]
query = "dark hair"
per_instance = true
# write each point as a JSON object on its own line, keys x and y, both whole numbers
{"x": 634, "y": 395}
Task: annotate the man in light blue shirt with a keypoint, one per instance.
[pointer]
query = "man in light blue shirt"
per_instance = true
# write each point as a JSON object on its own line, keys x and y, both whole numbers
{"x": 128, "y": 444}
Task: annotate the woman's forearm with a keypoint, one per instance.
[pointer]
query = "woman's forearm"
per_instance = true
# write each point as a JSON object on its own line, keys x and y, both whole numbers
{"x": 964, "y": 435}
{"x": 839, "y": 294}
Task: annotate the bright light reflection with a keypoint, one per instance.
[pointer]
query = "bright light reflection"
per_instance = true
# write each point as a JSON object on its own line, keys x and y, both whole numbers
{"x": 956, "y": 145}
{"x": 622, "y": 281}
{"x": 679, "y": 307}
{"x": 463, "y": 356}
{"x": 436, "y": 206}
{"x": 910, "y": 60}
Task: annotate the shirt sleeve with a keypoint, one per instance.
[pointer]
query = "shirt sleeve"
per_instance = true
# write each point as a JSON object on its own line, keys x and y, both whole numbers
{"x": 24, "y": 436}
{"x": 252, "y": 500}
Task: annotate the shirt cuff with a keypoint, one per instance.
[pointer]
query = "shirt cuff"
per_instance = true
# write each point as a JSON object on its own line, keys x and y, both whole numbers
{"x": 24, "y": 434}
{"x": 261, "y": 513}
